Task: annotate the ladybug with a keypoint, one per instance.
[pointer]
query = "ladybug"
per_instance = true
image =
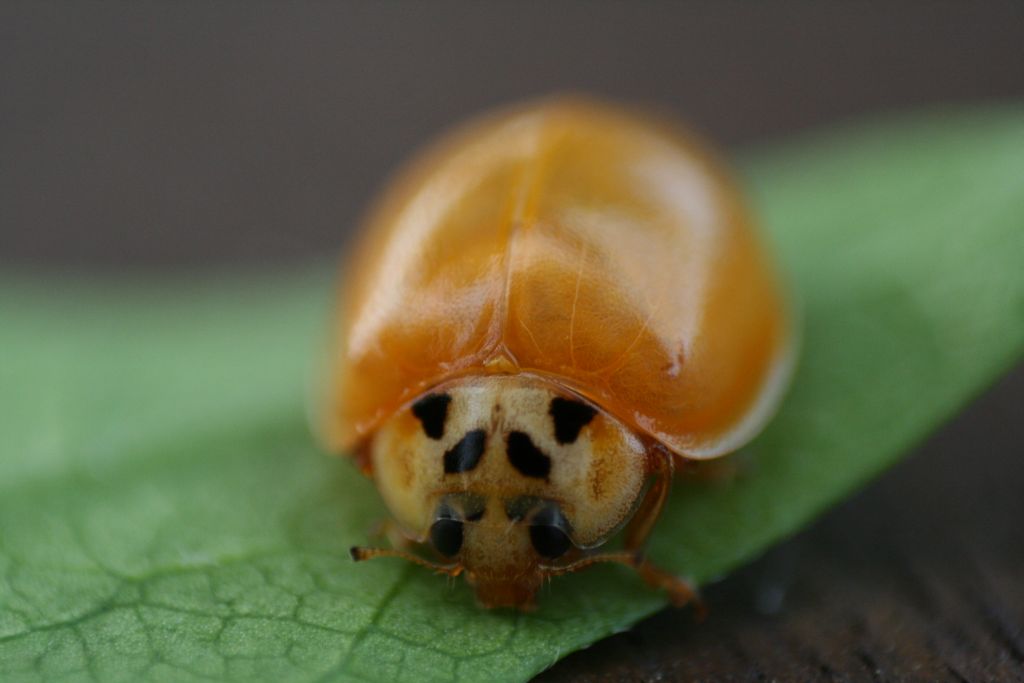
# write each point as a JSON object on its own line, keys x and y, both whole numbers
{"x": 549, "y": 312}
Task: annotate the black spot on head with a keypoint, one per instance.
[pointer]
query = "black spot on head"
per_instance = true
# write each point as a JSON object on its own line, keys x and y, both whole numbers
{"x": 432, "y": 410}
{"x": 466, "y": 454}
{"x": 526, "y": 457}
{"x": 570, "y": 417}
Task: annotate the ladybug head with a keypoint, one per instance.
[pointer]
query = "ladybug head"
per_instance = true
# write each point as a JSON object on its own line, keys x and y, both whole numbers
{"x": 506, "y": 546}
{"x": 507, "y": 479}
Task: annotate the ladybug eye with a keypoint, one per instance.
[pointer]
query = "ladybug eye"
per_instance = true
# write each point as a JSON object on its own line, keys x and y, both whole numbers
{"x": 549, "y": 541}
{"x": 548, "y": 532}
{"x": 446, "y": 536}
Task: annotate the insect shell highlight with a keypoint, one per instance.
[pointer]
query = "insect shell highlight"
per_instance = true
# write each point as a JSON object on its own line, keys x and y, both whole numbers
{"x": 549, "y": 310}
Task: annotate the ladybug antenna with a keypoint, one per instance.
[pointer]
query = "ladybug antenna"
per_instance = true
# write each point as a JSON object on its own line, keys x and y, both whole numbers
{"x": 359, "y": 554}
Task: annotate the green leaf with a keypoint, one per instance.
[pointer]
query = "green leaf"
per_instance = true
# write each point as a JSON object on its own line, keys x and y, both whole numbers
{"x": 164, "y": 514}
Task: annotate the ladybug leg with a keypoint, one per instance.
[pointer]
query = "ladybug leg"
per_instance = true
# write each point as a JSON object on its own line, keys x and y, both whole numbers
{"x": 680, "y": 592}
{"x": 661, "y": 466}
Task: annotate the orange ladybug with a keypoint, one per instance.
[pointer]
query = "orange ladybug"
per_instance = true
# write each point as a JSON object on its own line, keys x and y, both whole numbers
{"x": 548, "y": 311}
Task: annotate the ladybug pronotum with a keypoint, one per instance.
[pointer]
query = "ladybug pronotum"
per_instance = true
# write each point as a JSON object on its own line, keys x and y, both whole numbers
{"x": 548, "y": 312}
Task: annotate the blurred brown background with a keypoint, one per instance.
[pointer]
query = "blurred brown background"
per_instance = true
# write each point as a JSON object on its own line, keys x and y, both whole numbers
{"x": 141, "y": 133}
{"x": 161, "y": 135}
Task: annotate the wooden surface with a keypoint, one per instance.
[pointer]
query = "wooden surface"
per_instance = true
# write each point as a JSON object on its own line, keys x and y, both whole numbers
{"x": 919, "y": 577}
